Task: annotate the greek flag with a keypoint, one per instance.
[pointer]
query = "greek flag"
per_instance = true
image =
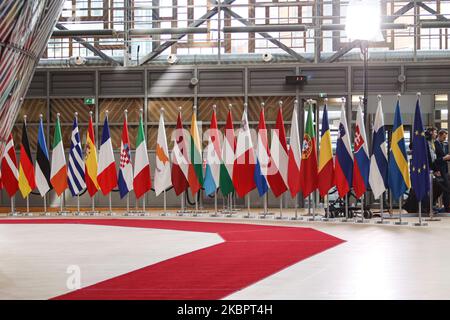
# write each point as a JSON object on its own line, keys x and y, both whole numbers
{"x": 76, "y": 164}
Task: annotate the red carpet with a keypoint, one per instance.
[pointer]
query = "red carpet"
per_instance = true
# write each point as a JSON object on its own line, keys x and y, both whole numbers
{"x": 249, "y": 254}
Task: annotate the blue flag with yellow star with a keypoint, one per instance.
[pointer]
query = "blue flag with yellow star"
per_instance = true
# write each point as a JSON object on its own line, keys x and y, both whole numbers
{"x": 420, "y": 173}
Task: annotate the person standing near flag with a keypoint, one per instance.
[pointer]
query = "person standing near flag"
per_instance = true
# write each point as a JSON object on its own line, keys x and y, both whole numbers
{"x": 42, "y": 166}
{"x": 26, "y": 169}
{"x": 325, "y": 175}
{"x": 399, "y": 180}
{"x": 125, "y": 178}
{"x": 420, "y": 170}
{"x": 76, "y": 164}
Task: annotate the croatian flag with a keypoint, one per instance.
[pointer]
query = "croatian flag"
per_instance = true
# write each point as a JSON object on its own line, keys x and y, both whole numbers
{"x": 361, "y": 163}
{"x": 107, "y": 174}
{"x": 344, "y": 157}
{"x": 126, "y": 168}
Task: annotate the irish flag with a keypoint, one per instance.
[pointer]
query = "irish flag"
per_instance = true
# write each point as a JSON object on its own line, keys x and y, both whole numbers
{"x": 58, "y": 171}
{"x": 141, "y": 182}
{"x": 195, "y": 172}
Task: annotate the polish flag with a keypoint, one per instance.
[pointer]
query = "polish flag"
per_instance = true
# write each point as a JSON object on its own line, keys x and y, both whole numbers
{"x": 295, "y": 156}
{"x": 244, "y": 163}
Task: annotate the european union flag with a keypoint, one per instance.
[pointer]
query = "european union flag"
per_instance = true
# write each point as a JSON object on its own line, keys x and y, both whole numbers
{"x": 420, "y": 172}
{"x": 398, "y": 173}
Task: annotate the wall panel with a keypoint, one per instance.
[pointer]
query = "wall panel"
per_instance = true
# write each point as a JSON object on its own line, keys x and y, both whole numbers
{"x": 117, "y": 83}
{"x": 72, "y": 83}
{"x": 267, "y": 81}
{"x": 170, "y": 83}
{"x": 219, "y": 82}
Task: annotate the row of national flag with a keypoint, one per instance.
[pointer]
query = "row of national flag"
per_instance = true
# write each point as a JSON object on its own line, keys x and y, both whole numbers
{"x": 230, "y": 163}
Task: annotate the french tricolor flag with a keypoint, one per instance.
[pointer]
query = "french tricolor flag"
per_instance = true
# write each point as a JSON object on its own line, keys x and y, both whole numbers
{"x": 107, "y": 174}
{"x": 361, "y": 164}
{"x": 344, "y": 157}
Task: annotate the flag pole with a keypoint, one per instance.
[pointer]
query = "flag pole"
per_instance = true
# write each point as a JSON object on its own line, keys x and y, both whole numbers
{"x": 400, "y": 222}
{"x": 28, "y": 205}
{"x": 248, "y": 205}
{"x": 382, "y": 221}
{"x": 313, "y": 199}
{"x": 432, "y": 217}
{"x": 181, "y": 211}
{"x": 12, "y": 206}
{"x": 110, "y": 206}
{"x": 215, "y": 205}
{"x": 327, "y": 211}
{"x": 165, "y": 203}
{"x": 78, "y": 204}
{"x": 346, "y": 209}
{"x": 45, "y": 204}
{"x": 280, "y": 217}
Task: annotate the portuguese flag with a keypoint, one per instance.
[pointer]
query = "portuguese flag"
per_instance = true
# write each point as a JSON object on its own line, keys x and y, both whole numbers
{"x": 308, "y": 169}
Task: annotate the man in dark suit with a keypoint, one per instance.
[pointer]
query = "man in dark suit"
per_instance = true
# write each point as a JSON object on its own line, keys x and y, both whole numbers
{"x": 440, "y": 164}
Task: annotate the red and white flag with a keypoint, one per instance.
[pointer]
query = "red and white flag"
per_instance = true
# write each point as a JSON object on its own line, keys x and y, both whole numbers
{"x": 180, "y": 163}
{"x": 244, "y": 163}
{"x": 278, "y": 158}
{"x": 295, "y": 156}
{"x": 10, "y": 173}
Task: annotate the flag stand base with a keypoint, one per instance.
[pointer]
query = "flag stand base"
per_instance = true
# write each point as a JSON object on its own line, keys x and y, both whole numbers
{"x": 346, "y": 220}
{"x": 420, "y": 224}
{"x": 382, "y": 222}
{"x": 362, "y": 221}
{"x": 403, "y": 223}
{"x": 432, "y": 219}
{"x": 268, "y": 215}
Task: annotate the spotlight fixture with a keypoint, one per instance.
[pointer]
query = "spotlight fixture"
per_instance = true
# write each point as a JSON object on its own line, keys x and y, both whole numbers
{"x": 267, "y": 57}
{"x": 172, "y": 58}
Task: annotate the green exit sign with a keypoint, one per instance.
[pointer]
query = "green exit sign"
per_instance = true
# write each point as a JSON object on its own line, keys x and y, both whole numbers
{"x": 89, "y": 101}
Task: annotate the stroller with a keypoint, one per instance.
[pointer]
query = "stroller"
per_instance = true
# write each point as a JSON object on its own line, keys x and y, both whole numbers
{"x": 336, "y": 208}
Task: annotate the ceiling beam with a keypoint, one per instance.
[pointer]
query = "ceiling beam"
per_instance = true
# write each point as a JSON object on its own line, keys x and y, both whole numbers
{"x": 343, "y": 50}
{"x": 267, "y": 36}
{"x": 208, "y": 15}
{"x": 90, "y": 47}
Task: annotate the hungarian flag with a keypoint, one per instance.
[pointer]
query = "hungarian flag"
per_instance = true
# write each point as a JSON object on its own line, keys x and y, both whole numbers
{"x": 361, "y": 161}
{"x": 42, "y": 167}
{"x": 125, "y": 179}
{"x": 10, "y": 174}
{"x": 195, "y": 173}
{"x": 26, "y": 169}
{"x": 162, "y": 170}
{"x": 244, "y": 163}
{"x": 343, "y": 165}
{"x": 107, "y": 174}
{"x": 326, "y": 165}
{"x": 213, "y": 160}
{"x": 308, "y": 171}
{"x": 278, "y": 166}
{"x": 262, "y": 156}
{"x": 295, "y": 156}
{"x": 180, "y": 163}
{"x": 58, "y": 171}
{"x": 142, "y": 181}
{"x": 90, "y": 161}
{"x": 228, "y": 149}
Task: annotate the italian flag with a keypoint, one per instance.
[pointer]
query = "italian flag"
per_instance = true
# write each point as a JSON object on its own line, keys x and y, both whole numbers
{"x": 58, "y": 171}
{"x": 142, "y": 181}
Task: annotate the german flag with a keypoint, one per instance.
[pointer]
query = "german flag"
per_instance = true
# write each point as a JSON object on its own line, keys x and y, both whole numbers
{"x": 26, "y": 168}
